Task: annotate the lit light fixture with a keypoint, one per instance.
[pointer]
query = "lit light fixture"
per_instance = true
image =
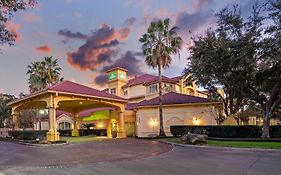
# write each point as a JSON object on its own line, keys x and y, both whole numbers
{"x": 153, "y": 122}
{"x": 100, "y": 125}
{"x": 41, "y": 111}
{"x": 80, "y": 102}
{"x": 196, "y": 121}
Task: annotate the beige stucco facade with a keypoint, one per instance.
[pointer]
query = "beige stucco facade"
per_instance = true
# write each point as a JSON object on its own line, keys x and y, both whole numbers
{"x": 147, "y": 118}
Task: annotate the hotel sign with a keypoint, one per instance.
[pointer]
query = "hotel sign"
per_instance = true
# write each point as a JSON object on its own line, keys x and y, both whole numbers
{"x": 122, "y": 75}
{"x": 112, "y": 76}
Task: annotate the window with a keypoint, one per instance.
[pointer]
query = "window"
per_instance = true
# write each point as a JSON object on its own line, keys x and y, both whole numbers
{"x": 125, "y": 92}
{"x": 64, "y": 126}
{"x": 153, "y": 89}
{"x": 113, "y": 91}
{"x": 168, "y": 87}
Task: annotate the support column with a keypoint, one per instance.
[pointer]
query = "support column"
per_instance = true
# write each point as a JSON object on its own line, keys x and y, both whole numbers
{"x": 121, "y": 130}
{"x": 53, "y": 134}
{"x": 75, "y": 131}
{"x": 15, "y": 118}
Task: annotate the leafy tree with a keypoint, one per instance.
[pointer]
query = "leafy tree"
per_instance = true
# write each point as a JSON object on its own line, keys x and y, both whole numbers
{"x": 244, "y": 57}
{"x": 5, "y": 110}
{"x": 7, "y": 9}
{"x": 217, "y": 57}
{"x": 27, "y": 118}
{"x": 158, "y": 44}
{"x": 43, "y": 74}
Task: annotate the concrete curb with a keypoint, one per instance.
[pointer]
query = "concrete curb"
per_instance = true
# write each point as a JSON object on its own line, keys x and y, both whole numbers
{"x": 31, "y": 144}
{"x": 220, "y": 148}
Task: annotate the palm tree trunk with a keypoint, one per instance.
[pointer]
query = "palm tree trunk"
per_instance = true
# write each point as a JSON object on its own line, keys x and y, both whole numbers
{"x": 162, "y": 133}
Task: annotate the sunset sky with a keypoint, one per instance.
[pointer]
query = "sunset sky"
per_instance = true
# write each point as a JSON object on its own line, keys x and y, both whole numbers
{"x": 90, "y": 36}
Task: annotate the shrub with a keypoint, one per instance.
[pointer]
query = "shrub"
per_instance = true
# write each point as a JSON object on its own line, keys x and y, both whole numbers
{"x": 97, "y": 132}
{"x": 27, "y": 135}
{"x": 275, "y": 131}
{"x": 84, "y": 132}
{"x": 65, "y": 132}
{"x": 247, "y": 131}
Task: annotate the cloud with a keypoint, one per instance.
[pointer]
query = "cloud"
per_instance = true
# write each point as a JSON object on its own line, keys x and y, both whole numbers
{"x": 44, "y": 48}
{"x": 100, "y": 46}
{"x": 128, "y": 61}
{"x": 195, "y": 21}
{"x": 201, "y": 4}
{"x": 31, "y": 17}
{"x": 14, "y": 28}
{"x": 101, "y": 79}
{"x": 72, "y": 35}
{"x": 130, "y": 21}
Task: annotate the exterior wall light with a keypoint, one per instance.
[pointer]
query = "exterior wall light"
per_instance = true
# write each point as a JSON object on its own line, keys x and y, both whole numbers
{"x": 153, "y": 122}
{"x": 100, "y": 125}
{"x": 196, "y": 121}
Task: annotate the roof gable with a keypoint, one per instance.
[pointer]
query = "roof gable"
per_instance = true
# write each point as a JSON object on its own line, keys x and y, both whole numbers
{"x": 71, "y": 87}
{"x": 174, "y": 98}
{"x": 147, "y": 79}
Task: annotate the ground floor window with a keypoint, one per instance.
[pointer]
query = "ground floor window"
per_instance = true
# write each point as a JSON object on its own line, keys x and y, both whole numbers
{"x": 64, "y": 126}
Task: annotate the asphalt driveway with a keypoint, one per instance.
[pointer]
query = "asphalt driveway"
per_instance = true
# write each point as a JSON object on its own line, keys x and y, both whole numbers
{"x": 137, "y": 157}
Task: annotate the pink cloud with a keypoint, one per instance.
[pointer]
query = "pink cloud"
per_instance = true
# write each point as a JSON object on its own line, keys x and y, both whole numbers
{"x": 100, "y": 46}
{"x": 44, "y": 48}
{"x": 14, "y": 28}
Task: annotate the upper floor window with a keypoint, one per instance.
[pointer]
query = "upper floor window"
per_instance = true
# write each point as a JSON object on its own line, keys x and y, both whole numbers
{"x": 125, "y": 92}
{"x": 153, "y": 88}
{"x": 168, "y": 87}
{"x": 113, "y": 91}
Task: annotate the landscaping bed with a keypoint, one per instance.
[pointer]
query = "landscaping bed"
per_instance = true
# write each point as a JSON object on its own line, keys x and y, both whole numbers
{"x": 269, "y": 144}
{"x": 223, "y": 131}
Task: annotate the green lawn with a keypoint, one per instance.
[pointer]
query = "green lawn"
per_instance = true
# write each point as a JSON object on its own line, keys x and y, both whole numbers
{"x": 80, "y": 139}
{"x": 237, "y": 144}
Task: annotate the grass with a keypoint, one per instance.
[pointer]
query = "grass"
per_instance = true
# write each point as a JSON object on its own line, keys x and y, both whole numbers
{"x": 235, "y": 144}
{"x": 81, "y": 139}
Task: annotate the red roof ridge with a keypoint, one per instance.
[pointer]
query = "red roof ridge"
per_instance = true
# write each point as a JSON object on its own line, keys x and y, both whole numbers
{"x": 174, "y": 98}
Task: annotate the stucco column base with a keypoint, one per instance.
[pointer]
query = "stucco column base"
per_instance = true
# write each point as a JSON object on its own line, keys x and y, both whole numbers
{"x": 75, "y": 133}
{"x": 121, "y": 134}
{"x": 53, "y": 136}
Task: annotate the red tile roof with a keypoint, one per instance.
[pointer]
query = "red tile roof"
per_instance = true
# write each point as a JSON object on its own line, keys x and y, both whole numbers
{"x": 139, "y": 80}
{"x": 174, "y": 98}
{"x": 131, "y": 106}
{"x": 71, "y": 87}
{"x": 155, "y": 80}
{"x": 147, "y": 79}
{"x": 178, "y": 78}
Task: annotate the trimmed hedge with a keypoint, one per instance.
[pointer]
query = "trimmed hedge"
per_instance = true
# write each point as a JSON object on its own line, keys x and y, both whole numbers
{"x": 84, "y": 132}
{"x": 27, "y": 135}
{"x": 247, "y": 131}
{"x": 33, "y": 135}
{"x": 275, "y": 131}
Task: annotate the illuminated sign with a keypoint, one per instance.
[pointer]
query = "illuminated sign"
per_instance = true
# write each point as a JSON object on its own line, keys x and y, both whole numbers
{"x": 122, "y": 75}
{"x": 112, "y": 76}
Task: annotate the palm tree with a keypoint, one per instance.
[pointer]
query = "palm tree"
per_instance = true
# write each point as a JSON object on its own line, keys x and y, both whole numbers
{"x": 43, "y": 74}
{"x": 36, "y": 76}
{"x": 158, "y": 44}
